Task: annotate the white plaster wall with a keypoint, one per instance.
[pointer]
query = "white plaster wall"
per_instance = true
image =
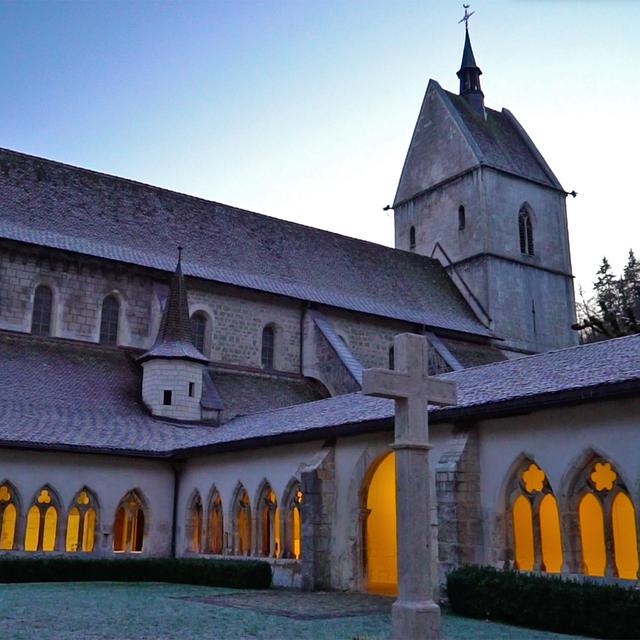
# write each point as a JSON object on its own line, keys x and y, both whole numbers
{"x": 109, "y": 478}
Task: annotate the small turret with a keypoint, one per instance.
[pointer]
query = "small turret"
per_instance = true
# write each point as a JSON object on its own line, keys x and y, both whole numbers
{"x": 173, "y": 368}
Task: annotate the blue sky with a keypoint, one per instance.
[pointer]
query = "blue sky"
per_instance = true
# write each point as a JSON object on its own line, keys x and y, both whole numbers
{"x": 304, "y": 110}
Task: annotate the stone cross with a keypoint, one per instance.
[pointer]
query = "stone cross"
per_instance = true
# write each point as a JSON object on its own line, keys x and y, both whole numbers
{"x": 414, "y": 613}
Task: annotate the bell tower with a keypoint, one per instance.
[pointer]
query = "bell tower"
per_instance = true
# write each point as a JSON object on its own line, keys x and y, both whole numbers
{"x": 476, "y": 193}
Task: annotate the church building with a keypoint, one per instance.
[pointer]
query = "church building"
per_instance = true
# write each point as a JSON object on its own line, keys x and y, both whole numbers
{"x": 183, "y": 377}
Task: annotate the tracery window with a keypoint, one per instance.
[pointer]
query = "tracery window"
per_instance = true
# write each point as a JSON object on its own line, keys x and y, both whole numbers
{"x": 81, "y": 523}
{"x": 607, "y": 519}
{"x": 525, "y": 228}
{"x": 292, "y": 547}
{"x": 535, "y": 520}
{"x": 242, "y": 528}
{"x": 109, "y": 320}
{"x": 194, "y": 524}
{"x": 199, "y": 331}
{"x": 42, "y": 522}
{"x": 268, "y": 347}
{"x": 8, "y": 516}
{"x": 41, "y": 314}
{"x": 269, "y": 523}
{"x": 129, "y": 524}
{"x": 216, "y": 524}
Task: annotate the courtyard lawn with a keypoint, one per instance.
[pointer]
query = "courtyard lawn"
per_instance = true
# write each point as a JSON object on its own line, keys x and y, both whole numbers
{"x": 152, "y": 611}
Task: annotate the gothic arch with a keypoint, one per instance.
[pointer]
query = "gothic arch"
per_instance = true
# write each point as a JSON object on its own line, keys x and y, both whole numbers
{"x": 241, "y": 522}
{"x": 11, "y": 517}
{"x": 267, "y": 521}
{"x": 82, "y": 521}
{"x": 601, "y": 542}
{"x": 291, "y": 520}
{"x": 194, "y": 524}
{"x": 214, "y": 527}
{"x": 131, "y": 522}
{"x": 44, "y": 521}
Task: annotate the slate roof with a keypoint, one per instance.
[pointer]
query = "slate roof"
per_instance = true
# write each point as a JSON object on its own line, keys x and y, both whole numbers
{"x": 57, "y": 394}
{"x": 55, "y": 205}
{"x": 499, "y": 141}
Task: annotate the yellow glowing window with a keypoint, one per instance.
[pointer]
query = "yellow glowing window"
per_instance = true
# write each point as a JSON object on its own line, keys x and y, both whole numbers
{"x": 550, "y": 537}
{"x": 8, "y": 531}
{"x": 216, "y": 526}
{"x": 594, "y": 556}
{"x": 88, "y": 530}
{"x": 523, "y": 533}
{"x": 296, "y": 532}
{"x": 50, "y": 527}
{"x": 625, "y": 538}
{"x": 196, "y": 525}
{"x": 32, "y": 531}
{"x": 73, "y": 529}
{"x": 533, "y": 478}
{"x": 128, "y": 525}
{"x": 119, "y": 530}
{"x": 382, "y": 571}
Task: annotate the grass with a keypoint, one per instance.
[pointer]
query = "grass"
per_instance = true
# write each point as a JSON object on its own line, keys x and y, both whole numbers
{"x": 154, "y": 611}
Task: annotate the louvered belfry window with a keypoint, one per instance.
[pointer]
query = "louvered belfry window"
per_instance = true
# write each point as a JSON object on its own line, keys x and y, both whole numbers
{"x": 41, "y": 316}
{"x": 525, "y": 228}
{"x": 109, "y": 320}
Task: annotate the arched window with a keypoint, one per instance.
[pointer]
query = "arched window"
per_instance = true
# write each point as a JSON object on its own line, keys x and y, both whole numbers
{"x": 268, "y": 523}
{"x": 242, "y": 524}
{"x": 412, "y": 238}
{"x": 462, "y": 218}
{"x": 292, "y": 547}
{"x": 199, "y": 331}
{"x": 534, "y": 509}
{"x": 392, "y": 358}
{"x": 42, "y": 522}
{"x": 128, "y": 525}
{"x": 194, "y": 523}
{"x": 268, "y": 347}
{"x": 81, "y": 523}
{"x": 216, "y": 524}
{"x": 109, "y": 320}
{"x": 525, "y": 228}
{"x": 607, "y": 519}
{"x": 41, "y": 314}
{"x": 8, "y": 516}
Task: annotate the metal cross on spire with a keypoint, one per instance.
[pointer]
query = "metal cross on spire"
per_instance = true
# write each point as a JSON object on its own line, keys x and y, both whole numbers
{"x": 466, "y": 16}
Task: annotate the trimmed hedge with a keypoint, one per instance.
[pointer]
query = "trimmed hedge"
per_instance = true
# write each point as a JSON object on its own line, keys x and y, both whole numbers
{"x": 241, "y": 574}
{"x": 545, "y": 602}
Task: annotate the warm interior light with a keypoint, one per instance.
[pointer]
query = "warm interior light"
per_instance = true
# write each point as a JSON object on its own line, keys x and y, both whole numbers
{"x": 32, "y": 529}
{"x": 594, "y": 557}
{"x": 550, "y": 537}
{"x": 625, "y": 537}
{"x": 523, "y": 533}
{"x": 382, "y": 572}
{"x": 8, "y": 531}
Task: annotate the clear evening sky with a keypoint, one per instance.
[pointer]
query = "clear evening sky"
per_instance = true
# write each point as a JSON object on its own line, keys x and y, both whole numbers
{"x": 304, "y": 110}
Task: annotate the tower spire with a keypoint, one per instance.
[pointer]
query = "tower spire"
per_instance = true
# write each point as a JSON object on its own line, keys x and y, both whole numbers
{"x": 469, "y": 73}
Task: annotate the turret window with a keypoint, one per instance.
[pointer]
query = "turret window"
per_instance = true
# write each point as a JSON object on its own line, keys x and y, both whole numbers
{"x": 525, "y": 228}
{"x": 462, "y": 218}
{"x": 412, "y": 238}
{"x": 166, "y": 397}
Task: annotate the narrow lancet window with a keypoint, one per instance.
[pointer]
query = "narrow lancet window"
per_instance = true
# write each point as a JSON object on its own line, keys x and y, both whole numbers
{"x": 412, "y": 238}
{"x": 462, "y": 218}
{"x": 81, "y": 523}
{"x": 525, "y": 228}
{"x": 268, "y": 347}
{"x": 42, "y": 523}
{"x": 109, "y": 320}
{"x": 41, "y": 315}
{"x": 199, "y": 331}
{"x": 8, "y": 517}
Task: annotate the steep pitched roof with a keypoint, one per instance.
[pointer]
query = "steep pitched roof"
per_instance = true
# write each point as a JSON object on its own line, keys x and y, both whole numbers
{"x": 499, "y": 142}
{"x": 57, "y": 394}
{"x": 47, "y": 203}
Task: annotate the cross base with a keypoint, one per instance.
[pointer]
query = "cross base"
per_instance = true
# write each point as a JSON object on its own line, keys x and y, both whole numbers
{"x": 415, "y": 620}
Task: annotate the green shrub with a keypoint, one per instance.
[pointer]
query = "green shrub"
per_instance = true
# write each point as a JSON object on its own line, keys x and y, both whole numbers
{"x": 545, "y": 602}
{"x": 241, "y": 574}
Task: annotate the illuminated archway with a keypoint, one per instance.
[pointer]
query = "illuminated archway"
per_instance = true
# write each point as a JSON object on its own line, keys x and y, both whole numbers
{"x": 8, "y": 516}
{"x": 42, "y": 521}
{"x": 292, "y": 520}
{"x": 379, "y": 528}
{"x": 129, "y": 524}
{"x": 537, "y": 540}
{"x": 81, "y": 522}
